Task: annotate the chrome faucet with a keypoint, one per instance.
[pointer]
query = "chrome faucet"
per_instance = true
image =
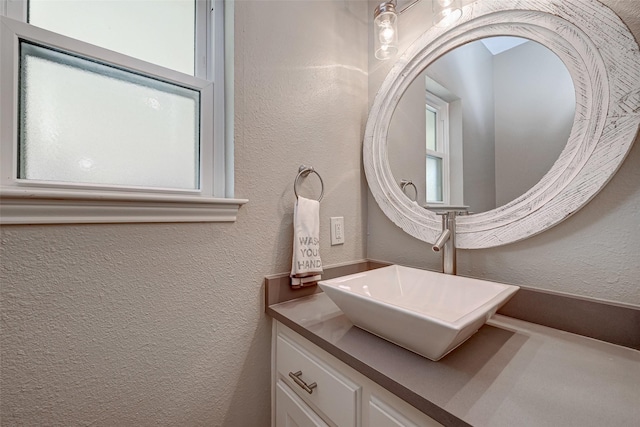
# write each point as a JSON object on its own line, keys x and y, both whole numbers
{"x": 446, "y": 242}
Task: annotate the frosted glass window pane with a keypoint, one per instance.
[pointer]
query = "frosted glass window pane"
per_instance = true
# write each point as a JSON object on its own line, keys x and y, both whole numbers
{"x": 431, "y": 131}
{"x": 434, "y": 179}
{"x": 161, "y": 32}
{"x": 85, "y": 122}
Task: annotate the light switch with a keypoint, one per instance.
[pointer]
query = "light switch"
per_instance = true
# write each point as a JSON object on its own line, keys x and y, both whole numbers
{"x": 337, "y": 230}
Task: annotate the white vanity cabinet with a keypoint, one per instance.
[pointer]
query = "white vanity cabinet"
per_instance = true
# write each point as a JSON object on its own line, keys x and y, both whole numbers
{"x": 310, "y": 387}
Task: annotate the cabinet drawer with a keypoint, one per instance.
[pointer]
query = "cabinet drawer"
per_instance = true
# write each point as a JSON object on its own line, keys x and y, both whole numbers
{"x": 334, "y": 395}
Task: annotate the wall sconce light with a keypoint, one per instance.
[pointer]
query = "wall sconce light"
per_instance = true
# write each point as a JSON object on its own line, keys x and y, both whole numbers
{"x": 386, "y": 30}
{"x": 446, "y": 12}
{"x": 385, "y": 16}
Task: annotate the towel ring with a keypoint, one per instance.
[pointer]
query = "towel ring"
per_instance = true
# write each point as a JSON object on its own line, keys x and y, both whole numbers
{"x": 406, "y": 183}
{"x": 304, "y": 171}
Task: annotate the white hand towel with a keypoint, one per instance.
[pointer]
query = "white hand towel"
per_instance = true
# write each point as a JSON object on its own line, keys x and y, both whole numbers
{"x": 306, "y": 265}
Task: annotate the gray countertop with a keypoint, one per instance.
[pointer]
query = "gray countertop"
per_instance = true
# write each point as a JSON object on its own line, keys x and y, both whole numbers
{"x": 510, "y": 373}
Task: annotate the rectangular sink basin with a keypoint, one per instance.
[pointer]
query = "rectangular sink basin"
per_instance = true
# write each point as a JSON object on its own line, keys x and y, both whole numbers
{"x": 423, "y": 311}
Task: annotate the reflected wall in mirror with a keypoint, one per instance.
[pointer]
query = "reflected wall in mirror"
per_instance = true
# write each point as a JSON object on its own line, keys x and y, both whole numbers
{"x": 482, "y": 124}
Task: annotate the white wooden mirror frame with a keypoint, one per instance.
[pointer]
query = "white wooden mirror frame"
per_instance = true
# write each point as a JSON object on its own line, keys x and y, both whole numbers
{"x": 603, "y": 59}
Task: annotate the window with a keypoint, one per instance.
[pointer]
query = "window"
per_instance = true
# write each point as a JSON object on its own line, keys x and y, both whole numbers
{"x": 114, "y": 112}
{"x": 163, "y": 32}
{"x": 437, "y": 148}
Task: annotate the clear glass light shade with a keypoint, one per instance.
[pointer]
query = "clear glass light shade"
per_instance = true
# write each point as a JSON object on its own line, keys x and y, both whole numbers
{"x": 446, "y": 12}
{"x": 386, "y": 37}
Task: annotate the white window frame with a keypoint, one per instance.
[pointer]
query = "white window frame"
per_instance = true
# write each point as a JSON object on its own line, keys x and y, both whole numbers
{"x": 37, "y": 202}
{"x": 441, "y": 108}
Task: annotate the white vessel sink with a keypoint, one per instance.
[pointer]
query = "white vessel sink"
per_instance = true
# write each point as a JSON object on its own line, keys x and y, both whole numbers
{"x": 426, "y": 312}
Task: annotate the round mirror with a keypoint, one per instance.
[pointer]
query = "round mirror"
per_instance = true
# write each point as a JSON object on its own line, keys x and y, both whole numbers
{"x": 482, "y": 124}
{"x": 603, "y": 62}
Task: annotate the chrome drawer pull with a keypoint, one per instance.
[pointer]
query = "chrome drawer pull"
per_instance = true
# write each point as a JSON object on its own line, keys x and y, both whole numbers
{"x": 307, "y": 387}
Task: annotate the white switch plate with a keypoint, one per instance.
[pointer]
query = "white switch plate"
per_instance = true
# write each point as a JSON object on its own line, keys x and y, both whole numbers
{"x": 337, "y": 230}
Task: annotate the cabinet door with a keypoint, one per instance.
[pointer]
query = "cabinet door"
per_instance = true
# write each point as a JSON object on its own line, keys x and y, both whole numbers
{"x": 291, "y": 411}
{"x": 382, "y": 414}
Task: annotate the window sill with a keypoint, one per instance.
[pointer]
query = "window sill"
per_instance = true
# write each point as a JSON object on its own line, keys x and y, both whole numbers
{"x": 23, "y": 206}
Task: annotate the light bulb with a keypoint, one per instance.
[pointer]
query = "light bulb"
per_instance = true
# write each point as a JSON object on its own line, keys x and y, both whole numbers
{"x": 446, "y": 12}
{"x": 387, "y": 35}
{"x": 450, "y": 16}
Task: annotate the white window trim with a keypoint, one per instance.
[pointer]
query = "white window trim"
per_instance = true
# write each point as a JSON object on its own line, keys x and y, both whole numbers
{"x": 441, "y": 108}
{"x": 30, "y": 202}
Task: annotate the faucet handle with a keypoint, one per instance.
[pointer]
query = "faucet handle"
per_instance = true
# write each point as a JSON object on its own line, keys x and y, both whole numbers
{"x": 452, "y": 212}
{"x": 446, "y": 210}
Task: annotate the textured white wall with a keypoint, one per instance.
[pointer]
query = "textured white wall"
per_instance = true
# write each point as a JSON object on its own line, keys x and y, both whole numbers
{"x": 164, "y": 324}
{"x": 595, "y": 253}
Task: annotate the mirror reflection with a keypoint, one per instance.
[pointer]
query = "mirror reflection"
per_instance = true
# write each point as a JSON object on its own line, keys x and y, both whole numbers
{"x": 482, "y": 124}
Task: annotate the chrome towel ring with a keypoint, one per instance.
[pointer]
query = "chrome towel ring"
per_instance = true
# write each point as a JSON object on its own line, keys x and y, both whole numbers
{"x": 406, "y": 183}
{"x": 304, "y": 171}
